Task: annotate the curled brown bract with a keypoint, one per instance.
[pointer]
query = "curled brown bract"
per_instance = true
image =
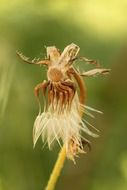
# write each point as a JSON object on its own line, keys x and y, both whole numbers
{"x": 59, "y": 93}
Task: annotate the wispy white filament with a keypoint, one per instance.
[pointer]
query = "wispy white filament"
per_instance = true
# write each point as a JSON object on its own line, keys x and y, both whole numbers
{"x": 54, "y": 126}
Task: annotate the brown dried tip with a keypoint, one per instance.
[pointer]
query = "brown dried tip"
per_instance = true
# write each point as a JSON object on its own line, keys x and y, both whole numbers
{"x": 95, "y": 72}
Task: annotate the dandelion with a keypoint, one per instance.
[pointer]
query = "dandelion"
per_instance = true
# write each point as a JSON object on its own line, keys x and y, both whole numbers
{"x": 65, "y": 95}
{"x": 62, "y": 115}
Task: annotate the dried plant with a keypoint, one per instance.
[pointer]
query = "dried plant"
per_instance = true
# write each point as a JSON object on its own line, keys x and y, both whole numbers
{"x": 61, "y": 119}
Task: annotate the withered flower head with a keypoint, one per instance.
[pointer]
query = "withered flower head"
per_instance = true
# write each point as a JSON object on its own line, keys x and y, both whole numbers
{"x": 61, "y": 119}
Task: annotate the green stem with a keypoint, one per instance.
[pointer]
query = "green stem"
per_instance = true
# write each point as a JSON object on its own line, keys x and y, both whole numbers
{"x": 57, "y": 169}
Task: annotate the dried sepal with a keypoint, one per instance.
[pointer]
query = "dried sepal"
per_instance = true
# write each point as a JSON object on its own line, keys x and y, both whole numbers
{"x": 34, "y": 61}
{"x": 95, "y": 72}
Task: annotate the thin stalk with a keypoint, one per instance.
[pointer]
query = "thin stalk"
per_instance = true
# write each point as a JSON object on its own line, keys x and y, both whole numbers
{"x": 57, "y": 169}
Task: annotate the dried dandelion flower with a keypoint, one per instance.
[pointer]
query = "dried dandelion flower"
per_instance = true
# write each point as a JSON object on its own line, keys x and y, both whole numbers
{"x": 61, "y": 119}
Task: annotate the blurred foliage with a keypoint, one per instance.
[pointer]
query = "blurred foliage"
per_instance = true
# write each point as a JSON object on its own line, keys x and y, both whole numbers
{"x": 99, "y": 28}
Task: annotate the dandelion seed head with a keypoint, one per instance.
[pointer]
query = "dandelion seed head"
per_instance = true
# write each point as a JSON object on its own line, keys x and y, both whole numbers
{"x": 66, "y": 126}
{"x": 61, "y": 121}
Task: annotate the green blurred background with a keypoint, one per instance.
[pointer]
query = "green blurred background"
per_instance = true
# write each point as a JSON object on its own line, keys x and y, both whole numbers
{"x": 99, "y": 27}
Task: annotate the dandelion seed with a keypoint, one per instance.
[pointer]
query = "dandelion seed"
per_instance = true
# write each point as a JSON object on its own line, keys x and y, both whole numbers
{"x": 61, "y": 119}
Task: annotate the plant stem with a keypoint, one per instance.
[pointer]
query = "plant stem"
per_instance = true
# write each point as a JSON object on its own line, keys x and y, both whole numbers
{"x": 57, "y": 169}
